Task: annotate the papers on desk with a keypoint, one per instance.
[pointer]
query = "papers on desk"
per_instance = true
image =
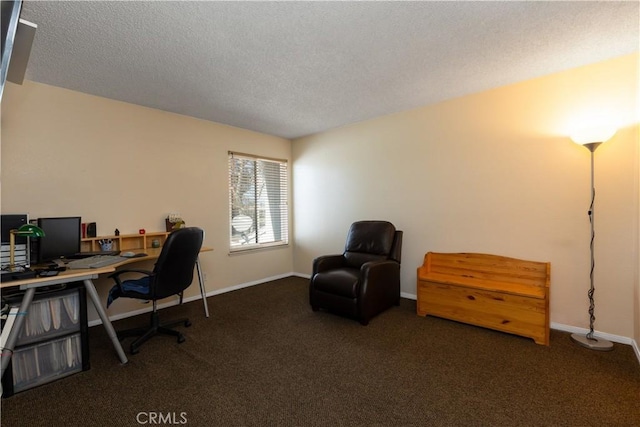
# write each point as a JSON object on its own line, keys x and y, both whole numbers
{"x": 20, "y": 254}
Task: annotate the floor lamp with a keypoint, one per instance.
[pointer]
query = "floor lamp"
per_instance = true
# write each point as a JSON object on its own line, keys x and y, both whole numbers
{"x": 591, "y": 139}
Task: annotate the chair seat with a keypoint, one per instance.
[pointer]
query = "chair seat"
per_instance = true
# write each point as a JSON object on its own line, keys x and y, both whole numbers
{"x": 138, "y": 289}
{"x": 341, "y": 281}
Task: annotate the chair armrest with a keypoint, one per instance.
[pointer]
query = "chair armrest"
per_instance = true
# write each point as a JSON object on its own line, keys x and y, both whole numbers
{"x": 380, "y": 285}
{"x": 379, "y": 271}
{"x": 327, "y": 262}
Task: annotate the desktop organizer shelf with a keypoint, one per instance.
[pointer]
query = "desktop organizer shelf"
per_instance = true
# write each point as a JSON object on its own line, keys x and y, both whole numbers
{"x": 125, "y": 242}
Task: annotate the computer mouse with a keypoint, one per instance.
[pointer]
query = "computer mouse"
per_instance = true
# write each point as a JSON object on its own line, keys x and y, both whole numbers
{"x": 128, "y": 254}
{"x": 48, "y": 273}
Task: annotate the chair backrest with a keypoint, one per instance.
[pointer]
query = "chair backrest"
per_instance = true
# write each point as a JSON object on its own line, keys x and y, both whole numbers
{"x": 173, "y": 272}
{"x": 371, "y": 241}
{"x": 396, "y": 249}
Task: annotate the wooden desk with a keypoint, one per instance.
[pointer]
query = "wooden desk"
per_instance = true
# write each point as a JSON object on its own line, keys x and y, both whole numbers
{"x": 86, "y": 276}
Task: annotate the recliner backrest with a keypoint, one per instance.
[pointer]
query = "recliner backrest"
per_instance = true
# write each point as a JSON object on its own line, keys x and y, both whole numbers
{"x": 173, "y": 272}
{"x": 369, "y": 241}
{"x": 396, "y": 249}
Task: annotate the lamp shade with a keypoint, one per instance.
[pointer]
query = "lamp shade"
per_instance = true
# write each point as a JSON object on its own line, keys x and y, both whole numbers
{"x": 594, "y": 134}
{"x": 29, "y": 230}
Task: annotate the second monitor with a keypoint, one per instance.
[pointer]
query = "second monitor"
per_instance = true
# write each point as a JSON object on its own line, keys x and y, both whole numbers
{"x": 61, "y": 238}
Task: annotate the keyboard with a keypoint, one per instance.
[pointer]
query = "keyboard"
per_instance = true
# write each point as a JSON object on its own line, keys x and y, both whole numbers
{"x": 96, "y": 261}
{"x": 81, "y": 255}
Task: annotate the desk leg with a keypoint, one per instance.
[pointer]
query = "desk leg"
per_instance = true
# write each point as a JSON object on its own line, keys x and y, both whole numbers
{"x": 7, "y": 351}
{"x": 91, "y": 290}
{"x": 202, "y": 290}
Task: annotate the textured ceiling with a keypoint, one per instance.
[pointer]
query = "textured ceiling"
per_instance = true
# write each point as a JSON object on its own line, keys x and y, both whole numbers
{"x": 296, "y": 68}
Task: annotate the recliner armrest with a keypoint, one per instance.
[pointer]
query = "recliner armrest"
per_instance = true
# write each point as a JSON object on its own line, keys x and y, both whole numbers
{"x": 327, "y": 262}
{"x": 378, "y": 275}
{"x": 373, "y": 268}
{"x": 380, "y": 287}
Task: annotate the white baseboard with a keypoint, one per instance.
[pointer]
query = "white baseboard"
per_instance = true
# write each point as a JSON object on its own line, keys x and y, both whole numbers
{"x": 408, "y": 296}
{"x": 575, "y": 330}
{"x": 240, "y": 286}
{"x": 176, "y": 301}
{"x": 554, "y": 325}
{"x": 610, "y": 337}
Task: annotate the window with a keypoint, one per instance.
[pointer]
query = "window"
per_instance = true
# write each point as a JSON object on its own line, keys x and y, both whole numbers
{"x": 258, "y": 208}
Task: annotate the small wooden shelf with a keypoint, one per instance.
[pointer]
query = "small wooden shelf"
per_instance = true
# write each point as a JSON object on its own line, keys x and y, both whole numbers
{"x": 125, "y": 242}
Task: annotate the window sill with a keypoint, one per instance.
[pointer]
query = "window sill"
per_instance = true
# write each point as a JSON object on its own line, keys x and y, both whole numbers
{"x": 257, "y": 249}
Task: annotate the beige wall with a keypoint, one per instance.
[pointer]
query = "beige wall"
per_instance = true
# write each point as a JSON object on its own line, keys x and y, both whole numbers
{"x": 637, "y": 281}
{"x": 125, "y": 166}
{"x": 492, "y": 172}
{"x": 496, "y": 173}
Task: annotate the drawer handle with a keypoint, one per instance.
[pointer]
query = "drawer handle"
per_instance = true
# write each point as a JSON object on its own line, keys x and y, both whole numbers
{"x": 471, "y": 297}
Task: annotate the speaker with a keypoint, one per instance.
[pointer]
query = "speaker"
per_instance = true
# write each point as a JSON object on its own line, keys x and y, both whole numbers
{"x": 91, "y": 229}
{"x": 34, "y": 249}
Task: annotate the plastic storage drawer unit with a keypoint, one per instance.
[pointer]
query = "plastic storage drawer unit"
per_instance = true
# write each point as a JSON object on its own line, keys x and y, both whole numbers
{"x": 53, "y": 342}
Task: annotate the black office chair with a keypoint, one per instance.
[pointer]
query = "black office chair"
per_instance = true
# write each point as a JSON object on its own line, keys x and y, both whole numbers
{"x": 171, "y": 275}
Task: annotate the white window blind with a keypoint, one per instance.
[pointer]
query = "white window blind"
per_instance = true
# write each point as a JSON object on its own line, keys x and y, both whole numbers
{"x": 258, "y": 202}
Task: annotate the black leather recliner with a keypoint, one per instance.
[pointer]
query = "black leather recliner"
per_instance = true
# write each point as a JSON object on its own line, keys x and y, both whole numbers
{"x": 365, "y": 279}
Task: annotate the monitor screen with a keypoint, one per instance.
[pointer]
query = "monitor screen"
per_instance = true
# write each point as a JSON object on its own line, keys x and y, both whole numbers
{"x": 10, "y": 222}
{"x": 61, "y": 238}
{"x": 13, "y": 222}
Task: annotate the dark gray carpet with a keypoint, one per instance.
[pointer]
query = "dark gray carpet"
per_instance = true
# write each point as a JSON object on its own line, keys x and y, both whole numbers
{"x": 264, "y": 358}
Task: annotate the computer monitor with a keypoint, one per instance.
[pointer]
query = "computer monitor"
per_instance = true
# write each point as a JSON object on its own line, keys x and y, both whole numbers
{"x": 10, "y": 222}
{"x": 61, "y": 238}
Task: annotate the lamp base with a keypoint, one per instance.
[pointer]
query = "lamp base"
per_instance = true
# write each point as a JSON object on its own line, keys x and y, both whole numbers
{"x": 593, "y": 344}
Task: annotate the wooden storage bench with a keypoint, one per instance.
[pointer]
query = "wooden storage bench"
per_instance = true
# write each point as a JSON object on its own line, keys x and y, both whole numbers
{"x": 506, "y": 294}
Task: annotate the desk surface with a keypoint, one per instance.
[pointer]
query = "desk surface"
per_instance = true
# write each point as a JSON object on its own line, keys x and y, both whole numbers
{"x": 78, "y": 275}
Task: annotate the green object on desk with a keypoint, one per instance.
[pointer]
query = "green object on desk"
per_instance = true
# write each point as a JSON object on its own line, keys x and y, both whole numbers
{"x": 26, "y": 230}
{"x": 29, "y": 230}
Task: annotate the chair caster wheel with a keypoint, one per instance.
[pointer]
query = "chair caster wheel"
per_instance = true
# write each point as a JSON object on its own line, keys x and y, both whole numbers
{"x": 187, "y": 323}
{"x": 181, "y": 339}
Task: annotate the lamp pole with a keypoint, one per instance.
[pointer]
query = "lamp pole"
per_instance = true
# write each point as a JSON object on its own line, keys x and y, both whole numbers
{"x": 588, "y": 340}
